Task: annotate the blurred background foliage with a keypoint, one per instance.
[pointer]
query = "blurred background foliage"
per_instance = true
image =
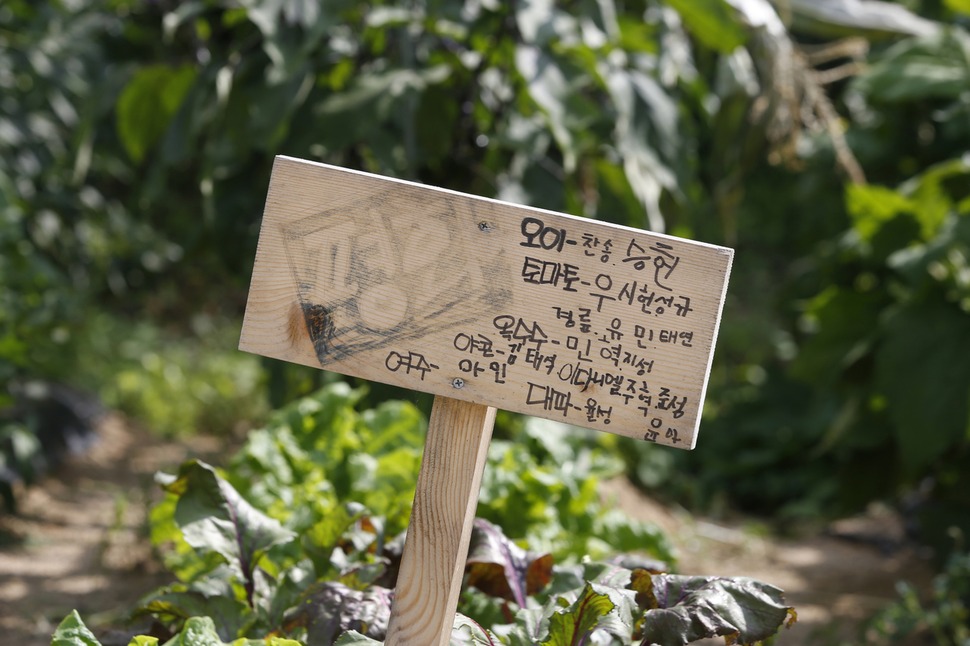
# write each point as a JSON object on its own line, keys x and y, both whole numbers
{"x": 825, "y": 140}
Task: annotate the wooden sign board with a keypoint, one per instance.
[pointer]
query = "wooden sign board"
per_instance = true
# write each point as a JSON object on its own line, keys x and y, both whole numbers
{"x": 527, "y": 310}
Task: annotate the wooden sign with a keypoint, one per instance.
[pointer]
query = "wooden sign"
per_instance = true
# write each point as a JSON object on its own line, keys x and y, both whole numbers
{"x": 485, "y": 304}
{"x": 527, "y": 310}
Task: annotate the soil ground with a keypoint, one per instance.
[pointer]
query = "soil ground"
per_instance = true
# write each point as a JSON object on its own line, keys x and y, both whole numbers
{"x": 79, "y": 542}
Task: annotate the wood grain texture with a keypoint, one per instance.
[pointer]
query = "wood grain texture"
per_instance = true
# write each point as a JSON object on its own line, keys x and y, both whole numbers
{"x": 541, "y": 313}
{"x": 445, "y": 499}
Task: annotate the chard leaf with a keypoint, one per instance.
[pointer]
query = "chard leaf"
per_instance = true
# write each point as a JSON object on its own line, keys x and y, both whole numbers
{"x": 468, "y": 632}
{"x": 354, "y": 638}
{"x": 72, "y": 632}
{"x": 500, "y": 568}
{"x": 213, "y": 517}
{"x": 598, "y": 607}
{"x": 178, "y": 605}
{"x": 332, "y": 608}
{"x": 198, "y": 631}
{"x": 683, "y": 609}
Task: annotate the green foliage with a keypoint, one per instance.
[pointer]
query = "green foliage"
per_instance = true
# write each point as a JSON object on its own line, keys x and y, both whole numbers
{"x": 198, "y": 631}
{"x": 148, "y": 104}
{"x": 943, "y": 618}
{"x": 844, "y": 383}
{"x": 72, "y": 632}
{"x": 176, "y": 385}
{"x": 281, "y": 545}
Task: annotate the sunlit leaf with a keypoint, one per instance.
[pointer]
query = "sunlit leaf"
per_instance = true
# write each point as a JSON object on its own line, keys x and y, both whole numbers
{"x": 143, "y": 640}
{"x": 467, "y": 632}
{"x": 550, "y": 89}
{"x": 959, "y": 6}
{"x": 72, "y": 632}
{"x": 148, "y": 104}
{"x": 594, "y": 609}
{"x": 713, "y": 22}
{"x": 197, "y": 631}
{"x": 354, "y": 638}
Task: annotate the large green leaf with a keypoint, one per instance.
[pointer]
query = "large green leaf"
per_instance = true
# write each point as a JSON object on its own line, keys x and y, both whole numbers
{"x": 683, "y": 609}
{"x": 923, "y": 370}
{"x": 198, "y": 631}
{"x": 713, "y": 22}
{"x": 213, "y": 517}
{"x": 354, "y": 638}
{"x": 598, "y": 607}
{"x": 550, "y": 88}
{"x": 936, "y": 66}
{"x": 871, "y": 19}
{"x": 179, "y": 605}
{"x": 872, "y": 206}
{"x": 148, "y": 104}
{"x": 72, "y": 632}
{"x": 959, "y": 6}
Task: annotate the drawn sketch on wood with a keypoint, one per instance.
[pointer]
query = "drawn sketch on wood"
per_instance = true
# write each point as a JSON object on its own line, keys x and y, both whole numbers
{"x": 546, "y": 314}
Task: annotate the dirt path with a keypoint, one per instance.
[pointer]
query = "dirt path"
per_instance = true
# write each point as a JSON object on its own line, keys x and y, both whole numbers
{"x": 81, "y": 544}
{"x": 78, "y": 541}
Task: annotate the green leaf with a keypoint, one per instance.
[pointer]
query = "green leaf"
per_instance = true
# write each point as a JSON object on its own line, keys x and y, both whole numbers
{"x": 959, "y": 6}
{"x": 143, "y": 640}
{"x": 592, "y": 610}
{"x": 354, "y": 638}
{"x": 467, "y": 632}
{"x": 218, "y": 604}
{"x": 936, "y": 66}
{"x": 148, "y": 104}
{"x": 72, "y": 632}
{"x": 872, "y": 19}
{"x": 213, "y": 517}
{"x": 683, "y": 609}
{"x": 713, "y": 22}
{"x": 646, "y": 133}
{"x": 197, "y": 631}
{"x": 921, "y": 368}
{"x": 550, "y": 89}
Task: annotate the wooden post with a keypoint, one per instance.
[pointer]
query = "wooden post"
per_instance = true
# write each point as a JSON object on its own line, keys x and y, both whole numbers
{"x": 429, "y": 581}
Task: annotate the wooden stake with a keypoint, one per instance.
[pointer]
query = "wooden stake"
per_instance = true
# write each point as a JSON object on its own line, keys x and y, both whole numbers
{"x": 445, "y": 500}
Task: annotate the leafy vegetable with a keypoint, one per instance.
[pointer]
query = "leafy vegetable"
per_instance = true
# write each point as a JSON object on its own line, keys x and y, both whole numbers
{"x": 500, "y": 568}
{"x": 309, "y": 567}
{"x": 682, "y": 609}
{"x": 213, "y": 517}
{"x": 72, "y": 632}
